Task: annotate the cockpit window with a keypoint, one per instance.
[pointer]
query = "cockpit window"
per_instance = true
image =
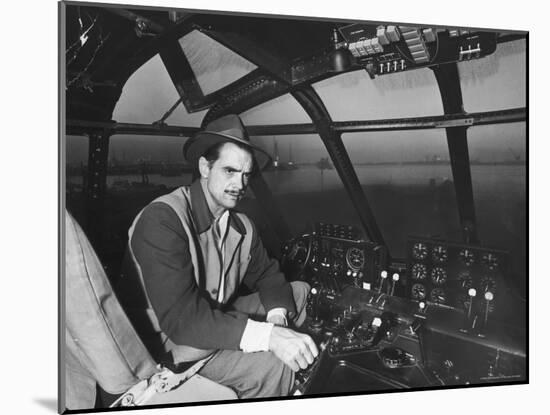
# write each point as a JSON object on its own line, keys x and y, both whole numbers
{"x": 148, "y": 163}
{"x": 499, "y": 181}
{"x": 214, "y": 65}
{"x": 407, "y": 179}
{"x": 305, "y": 183}
{"x": 76, "y": 169}
{"x": 354, "y": 96}
{"x": 143, "y": 101}
{"x": 282, "y": 110}
{"x": 497, "y": 81}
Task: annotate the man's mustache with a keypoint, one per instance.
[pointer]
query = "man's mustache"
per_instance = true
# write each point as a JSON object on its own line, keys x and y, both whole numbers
{"x": 235, "y": 192}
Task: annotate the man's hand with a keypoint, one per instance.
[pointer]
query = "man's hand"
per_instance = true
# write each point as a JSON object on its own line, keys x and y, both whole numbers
{"x": 296, "y": 350}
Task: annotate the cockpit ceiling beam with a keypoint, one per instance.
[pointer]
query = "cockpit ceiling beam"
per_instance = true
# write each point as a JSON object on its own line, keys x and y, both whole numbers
{"x": 399, "y": 124}
{"x": 314, "y": 107}
{"x": 181, "y": 73}
{"x": 76, "y": 127}
{"x": 142, "y": 23}
{"x": 448, "y": 81}
{"x": 419, "y": 123}
{"x": 276, "y": 65}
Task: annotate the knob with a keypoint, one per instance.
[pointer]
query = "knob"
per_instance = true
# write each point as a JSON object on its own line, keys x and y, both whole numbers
{"x": 472, "y": 293}
{"x": 468, "y": 317}
{"x": 395, "y": 278}
{"x": 488, "y": 298}
{"x": 422, "y": 307}
{"x": 317, "y": 322}
{"x": 383, "y": 277}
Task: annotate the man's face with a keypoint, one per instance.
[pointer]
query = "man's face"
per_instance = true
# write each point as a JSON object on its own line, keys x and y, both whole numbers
{"x": 227, "y": 178}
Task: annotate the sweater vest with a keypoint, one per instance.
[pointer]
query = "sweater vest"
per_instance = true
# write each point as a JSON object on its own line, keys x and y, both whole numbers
{"x": 206, "y": 264}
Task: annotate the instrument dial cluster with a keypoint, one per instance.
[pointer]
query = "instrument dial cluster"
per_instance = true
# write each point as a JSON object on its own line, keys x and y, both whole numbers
{"x": 338, "y": 257}
{"x": 442, "y": 272}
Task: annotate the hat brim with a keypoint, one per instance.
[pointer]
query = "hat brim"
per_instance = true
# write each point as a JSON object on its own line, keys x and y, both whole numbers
{"x": 196, "y": 146}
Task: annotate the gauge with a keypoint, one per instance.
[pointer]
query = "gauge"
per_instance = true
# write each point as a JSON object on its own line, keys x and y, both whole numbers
{"x": 488, "y": 284}
{"x": 338, "y": 250}
{"x": 420, "y": 251}
{"x": 439, "y": 254}
{"x": 438, "y": 296}
{"x": 418, "y": 291}
{"x": 419, "y": 272}
{"x": 438, "y": 275}
{"x": 355, "y": 258}
{"x": 465, "y": 280}
{"x": 490, "y": 260}
{"x": 467, "y": 256}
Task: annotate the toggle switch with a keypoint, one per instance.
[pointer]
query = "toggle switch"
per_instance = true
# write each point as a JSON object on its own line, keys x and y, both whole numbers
{"x": 383, "y": 276}
{"x": 488, "y": 298}
{"x": 395, "y": 278}
{"x": 466, "y": 323}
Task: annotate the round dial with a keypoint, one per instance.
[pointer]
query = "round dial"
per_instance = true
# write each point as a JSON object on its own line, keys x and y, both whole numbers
{"x": 490, "y": 260}
{"x": 488, "y": 284}
{"x": 465, "y": 280}
{"x": 355, "y": 258}
{"x": 420, "y": 251}
{"x": 438, "y": 296}
{"x": 467, "y": 256}
{"x": 439, "y": 254}
{"x": 419, "y": 272}
{"x": 438, "y": 276}
{"x": 418, "y": 291}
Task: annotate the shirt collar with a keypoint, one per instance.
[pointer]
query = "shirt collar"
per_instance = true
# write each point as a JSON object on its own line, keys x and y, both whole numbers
{"x": 203, "y": 216}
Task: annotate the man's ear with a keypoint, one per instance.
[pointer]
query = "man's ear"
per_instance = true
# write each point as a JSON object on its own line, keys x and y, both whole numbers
{"x": 204, "y": 167}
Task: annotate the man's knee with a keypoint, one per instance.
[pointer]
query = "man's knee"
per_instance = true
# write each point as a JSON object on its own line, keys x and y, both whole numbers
{"x": 271, "y": 377}
{"x": 300, "y": 291}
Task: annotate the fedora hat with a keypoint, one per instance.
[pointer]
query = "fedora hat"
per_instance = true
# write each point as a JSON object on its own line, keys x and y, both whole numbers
{"x": 228, "y": 128}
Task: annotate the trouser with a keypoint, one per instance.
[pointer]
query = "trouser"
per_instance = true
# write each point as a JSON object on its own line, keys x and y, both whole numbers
{"x": 260, "y": 374}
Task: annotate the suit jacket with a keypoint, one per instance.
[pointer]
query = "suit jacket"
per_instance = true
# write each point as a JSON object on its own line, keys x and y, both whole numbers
{"x": 174, "y": 254}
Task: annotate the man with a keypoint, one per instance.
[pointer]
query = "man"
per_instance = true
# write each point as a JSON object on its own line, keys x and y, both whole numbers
{"x": 192, "y": 252}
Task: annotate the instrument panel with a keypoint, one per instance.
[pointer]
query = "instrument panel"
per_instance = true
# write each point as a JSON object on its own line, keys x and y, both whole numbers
{"x": 392, "y": 48}
{"x": 340, "y": 257}
{"x": 453, "y": 274}
{"x": 429, "y": 322}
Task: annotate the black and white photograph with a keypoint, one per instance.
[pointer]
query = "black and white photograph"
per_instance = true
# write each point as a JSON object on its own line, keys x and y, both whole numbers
{"x": 266, "y": 207}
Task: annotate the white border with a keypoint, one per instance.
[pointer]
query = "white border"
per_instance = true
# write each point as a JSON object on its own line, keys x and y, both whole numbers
{"x": 29, "y": 177}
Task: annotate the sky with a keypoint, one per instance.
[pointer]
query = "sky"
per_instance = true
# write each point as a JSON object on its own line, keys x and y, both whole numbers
{"x": 491, "y": 83}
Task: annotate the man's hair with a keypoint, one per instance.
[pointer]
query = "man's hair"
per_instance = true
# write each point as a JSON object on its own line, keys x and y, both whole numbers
{"x": 213, "y": 152}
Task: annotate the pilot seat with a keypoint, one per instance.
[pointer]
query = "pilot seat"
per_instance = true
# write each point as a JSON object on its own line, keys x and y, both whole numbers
{"x": 102, "y": 347}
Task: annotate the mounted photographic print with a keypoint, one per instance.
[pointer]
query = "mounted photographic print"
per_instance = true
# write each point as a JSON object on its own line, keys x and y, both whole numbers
{"x": 259, "y": 206}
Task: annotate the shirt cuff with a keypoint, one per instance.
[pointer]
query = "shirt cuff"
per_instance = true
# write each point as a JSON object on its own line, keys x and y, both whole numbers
{"x": 256, "y": 336}
{"x": 279, "y": 311}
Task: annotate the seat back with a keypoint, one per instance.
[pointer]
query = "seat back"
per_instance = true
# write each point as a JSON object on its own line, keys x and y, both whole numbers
{"x": 101, "y": 344}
